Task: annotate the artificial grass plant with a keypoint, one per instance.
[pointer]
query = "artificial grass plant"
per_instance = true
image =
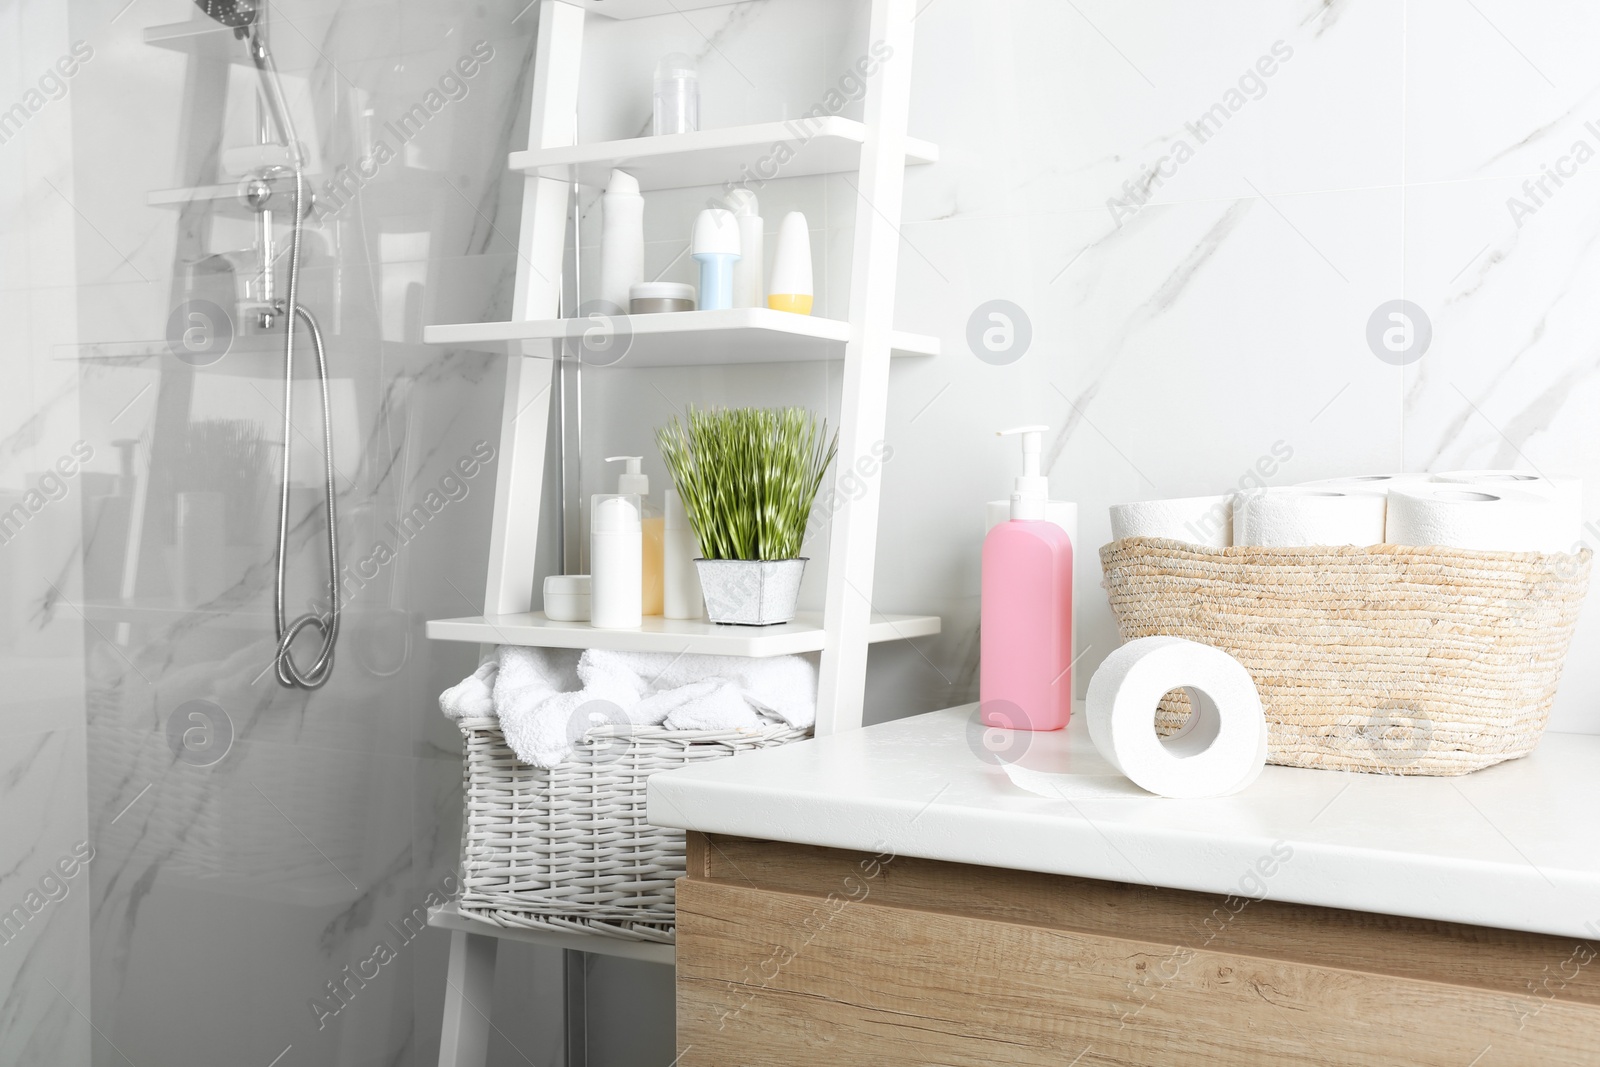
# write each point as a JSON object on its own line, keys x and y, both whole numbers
{"x": 748, "y": 477}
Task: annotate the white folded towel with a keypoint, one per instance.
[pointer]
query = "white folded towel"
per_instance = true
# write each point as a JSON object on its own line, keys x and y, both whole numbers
{"x": 783, "y": 686}
{"x": 528, "y": 675}
{"x": 473, "y": 696}
{"x": 546, "y": 699}
{"x": 530, "y": 683}
{"x": 714, "y": 704}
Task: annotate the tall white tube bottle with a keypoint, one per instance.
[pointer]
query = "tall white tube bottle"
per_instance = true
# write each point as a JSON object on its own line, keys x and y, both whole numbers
{"x": 616, "y": 546}
{"x": 680, "y": 578}
{"x": 749, "y": 279}
{"x": 621, "y": 239}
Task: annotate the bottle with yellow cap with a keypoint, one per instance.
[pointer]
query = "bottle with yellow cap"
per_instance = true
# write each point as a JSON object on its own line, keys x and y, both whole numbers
{"x": 791, "y": 286}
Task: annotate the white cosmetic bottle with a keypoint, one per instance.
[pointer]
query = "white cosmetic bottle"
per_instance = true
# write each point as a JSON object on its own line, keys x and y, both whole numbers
{"x": 749, "y": 289}
{"x": 621, "y": 239}
{"x": 634, "y": 482}
{"x": 715, "y": 246}
{"x": 616, "y": 545}
{"x": 681, "y": 580}
{"x": 791, "y": 286}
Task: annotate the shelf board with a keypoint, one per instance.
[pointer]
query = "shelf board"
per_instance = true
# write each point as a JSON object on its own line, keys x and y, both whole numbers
{"x": 224, "y": 198}
{"x": 166, "y": 613}
{"x": 204, "y": 38}
{"x": 255, "y": 613}
{"x": 695, "y": 637}
{"x": 643, "y": 9}
{"x": 449, "y": 917}
{"x": 676, "y": 339}
{"x": 399, "y": 190}
{"x": 829, "y": 145}
{"x": 261, "y": 348}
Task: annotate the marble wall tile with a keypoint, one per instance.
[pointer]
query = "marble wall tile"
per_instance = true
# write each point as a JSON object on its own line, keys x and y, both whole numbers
{"x": 234, "y": 890}
{"x": 45, "y": 863}
{"x": 45, "y": 992}
{"x": 1220, "y": 312}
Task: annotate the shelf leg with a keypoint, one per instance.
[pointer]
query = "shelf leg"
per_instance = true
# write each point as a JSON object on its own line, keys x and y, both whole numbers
{"x": 468, "y": 997}
{"x": 524, "y": 422}
{"x": 575, "y": 990}
{"x": 853, "y": 542}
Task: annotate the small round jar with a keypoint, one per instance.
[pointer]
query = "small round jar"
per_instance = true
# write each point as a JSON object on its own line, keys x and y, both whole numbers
{"x": 566, "y": 597}
{"x": 650, "y": 298}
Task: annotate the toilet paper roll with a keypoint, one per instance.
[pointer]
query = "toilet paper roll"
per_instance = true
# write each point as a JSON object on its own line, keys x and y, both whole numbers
{"x": 1476, "y": 516}
{"x": 1199, "y": 520}
{"x": 1219, "y": 751}
{"x": 1567, "y": 490}
{"x": 1370, "y": 483}
{"x": 1294, "y": 516}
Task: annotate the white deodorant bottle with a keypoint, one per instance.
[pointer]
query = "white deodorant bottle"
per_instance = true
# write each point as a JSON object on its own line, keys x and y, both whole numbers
{"x": 791, "y": 285}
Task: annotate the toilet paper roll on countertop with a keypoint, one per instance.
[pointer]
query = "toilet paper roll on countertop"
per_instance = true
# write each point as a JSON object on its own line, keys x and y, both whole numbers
{"x": 1220, "y": 750}
{"x": 1567, "y": 490}
{"x": 1199, "y": 520}
{"x": 1477, "y": 516}
{"x": 1295, "y": 516}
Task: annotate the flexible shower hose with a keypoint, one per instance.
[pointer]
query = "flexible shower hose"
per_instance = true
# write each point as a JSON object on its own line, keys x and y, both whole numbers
{"x": 289, "y": 672}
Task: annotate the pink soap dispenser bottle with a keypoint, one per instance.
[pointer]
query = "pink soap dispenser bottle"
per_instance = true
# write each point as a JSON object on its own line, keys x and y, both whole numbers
{"x": 1025, "y": 643}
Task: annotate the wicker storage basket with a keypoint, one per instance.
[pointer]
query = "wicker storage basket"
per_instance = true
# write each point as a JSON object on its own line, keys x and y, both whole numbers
{"x": 1392, "y": 659}
{"x": 569, "y": 848}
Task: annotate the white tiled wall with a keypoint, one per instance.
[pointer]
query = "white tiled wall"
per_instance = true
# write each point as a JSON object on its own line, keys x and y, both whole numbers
{"x": 1178, "y": 337}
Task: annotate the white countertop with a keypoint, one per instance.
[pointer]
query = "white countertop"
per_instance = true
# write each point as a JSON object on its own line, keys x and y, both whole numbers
{"x": 1514, "y": 846}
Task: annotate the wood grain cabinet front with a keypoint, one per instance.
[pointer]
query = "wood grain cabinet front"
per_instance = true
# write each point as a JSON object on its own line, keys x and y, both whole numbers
{"x": 792, "y": 955}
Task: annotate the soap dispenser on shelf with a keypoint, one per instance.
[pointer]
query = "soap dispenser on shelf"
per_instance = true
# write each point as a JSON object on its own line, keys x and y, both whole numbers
{"x": 1025, "y": 640}
{"x": 652, "y": 522}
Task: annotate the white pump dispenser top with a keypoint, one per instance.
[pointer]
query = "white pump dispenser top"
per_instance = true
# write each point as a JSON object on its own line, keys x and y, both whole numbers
{"x": 1030, "y": 492}
{"x": 632, "y": 482}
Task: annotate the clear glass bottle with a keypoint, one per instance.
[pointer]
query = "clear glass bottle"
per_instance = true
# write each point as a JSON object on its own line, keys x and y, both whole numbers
{"x": 677, "y": 95}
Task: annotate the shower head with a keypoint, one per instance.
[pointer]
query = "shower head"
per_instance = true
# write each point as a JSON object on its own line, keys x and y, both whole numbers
{"x": 244, "y": 18}
{"x": 237, "y": 15}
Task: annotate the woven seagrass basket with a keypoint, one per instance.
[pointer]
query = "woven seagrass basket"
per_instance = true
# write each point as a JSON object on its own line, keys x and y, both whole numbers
{"x": 1389, "y": 658}
{"x": 569, "y": 848}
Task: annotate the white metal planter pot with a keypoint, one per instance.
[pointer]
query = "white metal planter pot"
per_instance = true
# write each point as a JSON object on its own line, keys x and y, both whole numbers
{"x": 746, "y": 592}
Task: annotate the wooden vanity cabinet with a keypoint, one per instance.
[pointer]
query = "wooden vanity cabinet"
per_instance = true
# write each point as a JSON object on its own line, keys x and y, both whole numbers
{"x": 797, "y": 955}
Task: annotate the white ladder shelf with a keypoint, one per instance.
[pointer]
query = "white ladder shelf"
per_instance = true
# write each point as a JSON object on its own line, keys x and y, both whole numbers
{"x": 878, "y": 150}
